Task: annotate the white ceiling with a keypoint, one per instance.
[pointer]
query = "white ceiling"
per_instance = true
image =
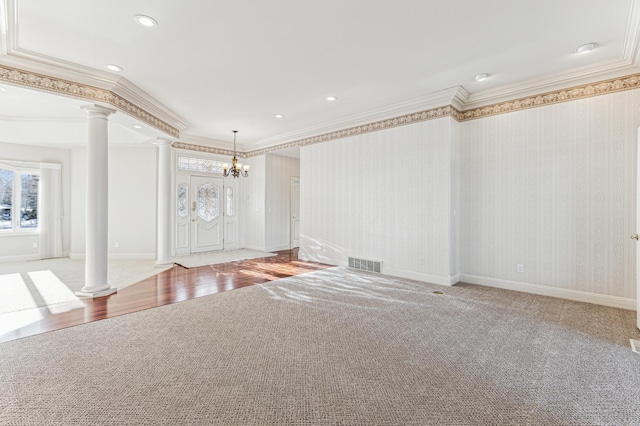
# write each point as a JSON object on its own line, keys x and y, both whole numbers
{"x": 224, "y": 65}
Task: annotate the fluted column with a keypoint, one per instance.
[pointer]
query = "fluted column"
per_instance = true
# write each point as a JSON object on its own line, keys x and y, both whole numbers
{"x": 163, "y": 256}
{"x": 97, "y": 208}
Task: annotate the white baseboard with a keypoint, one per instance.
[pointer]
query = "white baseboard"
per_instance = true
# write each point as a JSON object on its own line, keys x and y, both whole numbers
{"x": 20, "y": 258}
{"x": 400, "y": 273}
{"x": 278, "y": 248}
{"x": 419, "y": 276}
{"x": 257, "y": 248}
{"x": 118, "y": 256}
{"x": 579, "y": 296}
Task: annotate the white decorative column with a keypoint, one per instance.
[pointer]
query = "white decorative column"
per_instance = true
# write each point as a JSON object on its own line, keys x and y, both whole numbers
{"x": 96, "y": 284}
{"x": 163, "y": 257}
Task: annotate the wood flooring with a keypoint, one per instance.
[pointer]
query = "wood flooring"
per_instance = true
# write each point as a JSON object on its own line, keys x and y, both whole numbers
{"x": 173, "y": 285}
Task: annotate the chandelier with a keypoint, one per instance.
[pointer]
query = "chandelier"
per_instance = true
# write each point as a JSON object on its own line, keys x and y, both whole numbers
{"x": 236, "y": 168}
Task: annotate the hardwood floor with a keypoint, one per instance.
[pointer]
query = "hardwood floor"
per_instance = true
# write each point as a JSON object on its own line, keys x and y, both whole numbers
{"x": 174, "y": 285}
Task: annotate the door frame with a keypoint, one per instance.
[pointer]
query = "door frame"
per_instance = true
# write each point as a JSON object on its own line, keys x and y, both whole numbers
{"x": 292, "y": 218}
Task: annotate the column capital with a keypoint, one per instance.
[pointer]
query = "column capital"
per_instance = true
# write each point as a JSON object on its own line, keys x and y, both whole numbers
{"x": 94, "y": 110}
{"x": 160, "y": 141}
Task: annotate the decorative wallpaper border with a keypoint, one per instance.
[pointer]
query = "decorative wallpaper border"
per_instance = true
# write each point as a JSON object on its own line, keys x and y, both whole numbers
{"x": 573, "y": 93}
{"x": 207, "y": 149}
{"x": 76, "y": 90}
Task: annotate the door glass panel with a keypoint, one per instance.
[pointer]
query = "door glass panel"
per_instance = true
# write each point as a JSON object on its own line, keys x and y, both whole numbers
{"x": 182, "y": 200}
{"x": 207, "y": 202}
{"x": 229, "y": 201}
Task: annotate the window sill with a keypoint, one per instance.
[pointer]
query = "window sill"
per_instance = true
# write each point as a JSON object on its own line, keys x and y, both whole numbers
{"x": 19, "y": 233}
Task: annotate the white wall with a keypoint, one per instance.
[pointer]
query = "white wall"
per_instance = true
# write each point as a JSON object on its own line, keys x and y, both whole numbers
{"x": 21, "y": 247}
{"x": 280, "y": 170}
{"x": 387, "y": 195}
{"x": 132, "y": 202}
{"x": 552, "y": 189}
{"x": 255, "y": 190}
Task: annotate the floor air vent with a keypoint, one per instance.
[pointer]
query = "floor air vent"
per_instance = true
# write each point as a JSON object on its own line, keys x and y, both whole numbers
{"x": 365, "y": 265}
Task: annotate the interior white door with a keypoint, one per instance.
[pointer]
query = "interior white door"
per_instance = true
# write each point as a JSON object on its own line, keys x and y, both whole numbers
{"x": 207, "y": 218}
{"x": 295, "y": 212}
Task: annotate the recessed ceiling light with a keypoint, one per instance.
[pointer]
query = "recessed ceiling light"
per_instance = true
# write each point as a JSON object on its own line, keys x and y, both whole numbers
{"x": 279, "y": 116}
{"x": 331, "y": 98}
{"x": 585, "y": 48}
{"x": 145, "y": 21}
{"x": 137, "y": 127}
{"x": 3, "y": 89}
{"x": 482, "y": 76}
{"x": 114, "y": 67}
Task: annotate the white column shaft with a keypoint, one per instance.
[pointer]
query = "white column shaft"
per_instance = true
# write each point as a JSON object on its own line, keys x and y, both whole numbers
{"x": 164, "y": 203}
{"x": 97, "y": 209}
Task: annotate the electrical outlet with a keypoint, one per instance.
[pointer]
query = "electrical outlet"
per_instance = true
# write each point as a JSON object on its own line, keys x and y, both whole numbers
{"x": 35, "y": 245}
{"x": 520, "y": 268}
{"x": 117, "y": 244}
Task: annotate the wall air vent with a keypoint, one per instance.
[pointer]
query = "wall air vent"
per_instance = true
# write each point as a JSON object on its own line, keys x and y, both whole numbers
{"x": 365, "y": 265}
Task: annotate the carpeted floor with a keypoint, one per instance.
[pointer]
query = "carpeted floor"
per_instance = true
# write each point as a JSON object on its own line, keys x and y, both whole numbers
{"x": 215, "y": 257}
{"x": 52, "y": 282}
{"x": 333, "y": 347}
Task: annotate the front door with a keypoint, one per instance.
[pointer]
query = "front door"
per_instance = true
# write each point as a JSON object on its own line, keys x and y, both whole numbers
{"x": 207, "y": 218}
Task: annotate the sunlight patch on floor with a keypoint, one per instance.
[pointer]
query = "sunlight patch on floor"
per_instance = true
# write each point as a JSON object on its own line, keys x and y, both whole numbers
{"x": 54, "y": 292}
{"x": 14, "y": 294}
{"x": 16, "y": 320}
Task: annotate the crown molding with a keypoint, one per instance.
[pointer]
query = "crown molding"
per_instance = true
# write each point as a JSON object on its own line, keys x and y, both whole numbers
{"x": 72, "y": 89}
{"x": 450, "y": 96}
{"x": 632, "y": 35}
{"x": 430, "y": 114}
{"x": 599, "y": 88}
{"x": 199, "y": 140}
{"x": 124, "y": 95}
{"x": 580, "y": 76}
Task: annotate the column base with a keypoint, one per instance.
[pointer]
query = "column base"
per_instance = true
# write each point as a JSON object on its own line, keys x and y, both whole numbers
{"x": 95, "y": 294}
{"x": 163, "y": 265}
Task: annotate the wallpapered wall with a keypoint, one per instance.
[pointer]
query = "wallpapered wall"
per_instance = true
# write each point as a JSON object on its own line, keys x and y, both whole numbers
{"x": 552, "y": 189}
{"x": 382, "y": 196}
{"x": 549, "y": 188}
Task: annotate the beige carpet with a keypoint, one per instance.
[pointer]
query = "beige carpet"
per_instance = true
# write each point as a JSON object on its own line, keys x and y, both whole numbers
{"x": 213, "y": 258}
{"x": 333, "y": 347}
{"x": 52, "y": 282}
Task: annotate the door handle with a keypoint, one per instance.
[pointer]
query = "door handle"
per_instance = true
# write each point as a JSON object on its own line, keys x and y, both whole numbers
{"x": 635, "y": 237}
{"x": 193, "y": 206}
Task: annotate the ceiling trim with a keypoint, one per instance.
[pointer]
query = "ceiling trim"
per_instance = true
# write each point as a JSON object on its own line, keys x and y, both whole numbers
{"x": 600, "y": 88}
{"x": 452, "y": 96}
{"x": 416, "y": 117}
{"x": 570, "y": 94}
{"x": 76, "y": 90}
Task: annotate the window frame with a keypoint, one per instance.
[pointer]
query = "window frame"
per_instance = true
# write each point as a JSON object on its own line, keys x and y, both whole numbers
{"x": 16, "y": 198}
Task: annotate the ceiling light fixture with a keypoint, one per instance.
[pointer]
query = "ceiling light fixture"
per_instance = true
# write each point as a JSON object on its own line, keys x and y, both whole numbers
{"x": 114, "y": 68}
{"x": 236, "y": 169}
{"x": 3, "y": 89}
{"x": 137, "y": 127}
{"x": 279, "y": 116}
{"x": 145, "y": 21}
{"x": 482, "y": 76}
{"x": 331, "y": 98}
{"x": 586, "y": 48}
